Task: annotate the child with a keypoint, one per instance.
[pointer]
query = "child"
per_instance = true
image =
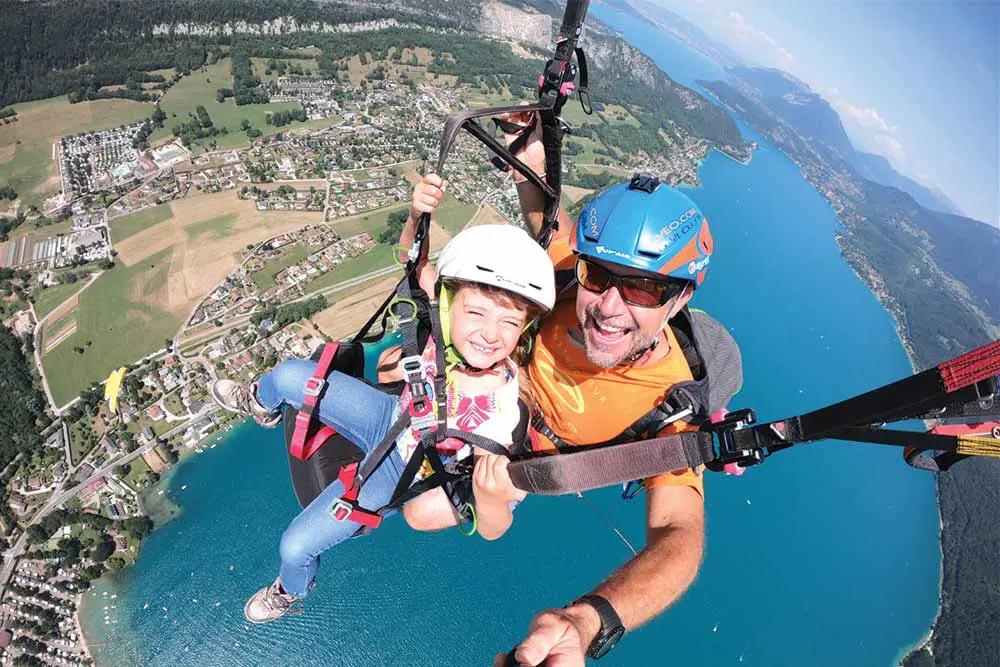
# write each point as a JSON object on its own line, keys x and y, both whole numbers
{"x": 495, "y": 280}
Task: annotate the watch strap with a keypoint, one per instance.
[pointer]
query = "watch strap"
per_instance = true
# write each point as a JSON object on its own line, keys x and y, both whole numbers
{"x": 611, "y": 623}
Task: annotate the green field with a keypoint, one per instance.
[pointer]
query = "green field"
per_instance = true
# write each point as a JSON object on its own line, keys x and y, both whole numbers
{"x": 377, "y": 258}
{"x": 55, "y": 329}
{"x": 475, "y": 98}
{"x": 137, "y": 470}
{"x": 260, "y": 66}
{"x": 50, "y": 297}
{"x": 588, "y": 155}
{"x": 219, "y": 227}
{"x": 264, "y": 279}
{"x": 174, "y": 405}
{"x": 77, "y": 447}
{"x": 373, "y": 222}
{"x": 199, "y": 88}
{"x": 120, "y": 329}
{"x": 453, "y": 214}
{"x": 133, "y": 223}
{"x": 43, "y": 232}
{"x": 26, "y": 155}
{"x": 573, "y": 112}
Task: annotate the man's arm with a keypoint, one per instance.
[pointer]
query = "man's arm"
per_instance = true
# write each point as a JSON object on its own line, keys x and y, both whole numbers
{"x": 532, "y": 199}
{"x": 639, "y": 590}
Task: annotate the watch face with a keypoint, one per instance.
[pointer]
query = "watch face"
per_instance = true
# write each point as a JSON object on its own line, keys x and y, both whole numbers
{"x": 607, "y": 642}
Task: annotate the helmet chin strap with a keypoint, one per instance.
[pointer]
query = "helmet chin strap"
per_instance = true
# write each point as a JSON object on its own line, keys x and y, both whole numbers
{"x": 636, "y": 356}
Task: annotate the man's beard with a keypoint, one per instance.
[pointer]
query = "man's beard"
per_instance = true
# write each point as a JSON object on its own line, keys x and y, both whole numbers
{"x": 640, "y": 343}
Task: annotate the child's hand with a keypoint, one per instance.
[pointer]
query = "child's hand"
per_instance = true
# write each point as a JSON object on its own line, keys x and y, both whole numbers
{"x": 491, "y": 482}
{"x": 427, "y": 195}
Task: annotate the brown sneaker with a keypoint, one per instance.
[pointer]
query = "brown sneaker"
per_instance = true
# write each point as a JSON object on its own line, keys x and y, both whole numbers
{"x": 242, "y": 400}
{"x": 271, "y": 603}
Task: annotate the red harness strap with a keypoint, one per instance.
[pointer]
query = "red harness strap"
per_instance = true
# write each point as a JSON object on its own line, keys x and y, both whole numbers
{"x": 346, "y": 508}
{"x": 302, "y": 447}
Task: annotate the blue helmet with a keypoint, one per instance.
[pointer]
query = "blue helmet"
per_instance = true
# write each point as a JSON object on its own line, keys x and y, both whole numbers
{"x": 647, "y": 225}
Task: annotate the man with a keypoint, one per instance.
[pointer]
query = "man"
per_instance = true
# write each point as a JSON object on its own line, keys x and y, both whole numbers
{"x": 603, "y": 358}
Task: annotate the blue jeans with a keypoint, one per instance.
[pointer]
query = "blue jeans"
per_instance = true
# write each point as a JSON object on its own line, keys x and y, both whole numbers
{"x": 364, "y": 415}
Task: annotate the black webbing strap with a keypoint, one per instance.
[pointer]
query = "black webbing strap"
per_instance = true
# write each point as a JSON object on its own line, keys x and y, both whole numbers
{"x": 523, "y": 133}
{"x": 675, "y": 406}
{"x": 582, "y": 89}
{"x": 377, "y": 455}
{"x": 919, "y": 396}
{"x": 595, "y": 467}
{"x": 984, "y": 404}
{"x": 885, "y": 436}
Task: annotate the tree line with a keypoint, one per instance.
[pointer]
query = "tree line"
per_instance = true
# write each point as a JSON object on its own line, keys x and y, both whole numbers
{"x": 78, "y": 46}
{"x": 22, "y": 406}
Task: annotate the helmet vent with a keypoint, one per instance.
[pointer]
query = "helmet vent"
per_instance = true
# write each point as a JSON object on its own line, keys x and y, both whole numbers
{"x": 484, "y": 268}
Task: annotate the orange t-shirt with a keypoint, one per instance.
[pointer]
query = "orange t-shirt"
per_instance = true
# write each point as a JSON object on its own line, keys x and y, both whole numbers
{"x": 584, "y": 404}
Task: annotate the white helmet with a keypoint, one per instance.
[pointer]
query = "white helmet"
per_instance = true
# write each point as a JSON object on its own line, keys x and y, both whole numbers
{"x": 503, "y": 256}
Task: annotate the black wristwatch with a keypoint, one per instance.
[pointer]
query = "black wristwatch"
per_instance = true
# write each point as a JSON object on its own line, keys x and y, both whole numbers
{"x": 611, "y": 625}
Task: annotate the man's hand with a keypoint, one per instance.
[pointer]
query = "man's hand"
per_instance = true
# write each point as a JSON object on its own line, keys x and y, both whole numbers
{"x": 533, "y": 152}
{"x": 491, "y": 481}
{"x": 557, "y": 637}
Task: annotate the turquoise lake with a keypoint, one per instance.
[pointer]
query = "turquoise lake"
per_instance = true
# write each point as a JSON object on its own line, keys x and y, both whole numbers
{"x": 824, "y": 556}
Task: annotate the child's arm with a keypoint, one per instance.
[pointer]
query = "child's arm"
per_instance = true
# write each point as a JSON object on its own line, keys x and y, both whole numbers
{"x": 427, "y": 195}
{"x": 494, "y": 492}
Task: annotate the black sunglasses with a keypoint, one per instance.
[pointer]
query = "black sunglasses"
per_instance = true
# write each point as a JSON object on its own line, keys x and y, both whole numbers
{"x": 643, "y": 292}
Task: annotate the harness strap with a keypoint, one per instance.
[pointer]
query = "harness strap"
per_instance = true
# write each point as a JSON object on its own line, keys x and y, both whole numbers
{"x": 346, "y": 508}
{"x": 582, "y": 89}
{"x": 595, "y": 467}
{"x": 377, "y": 455}
{"x": 541, "y": 426}
{"x": 301, "y": 447}
{"x": 925, "y": 394}
{"x": 523, "y": 133}
{"x": 440, "y": 376}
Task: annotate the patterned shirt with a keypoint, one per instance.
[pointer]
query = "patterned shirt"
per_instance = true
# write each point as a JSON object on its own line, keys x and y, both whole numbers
{"x": 493, "y": 415}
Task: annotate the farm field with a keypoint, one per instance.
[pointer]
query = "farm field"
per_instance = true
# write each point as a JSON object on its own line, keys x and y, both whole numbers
{"x": 27, "y": 158}
{"x": 199, "y": 88}
{"x": 453, "y": 215}
{"x": 133, "y": 223}
{"x": 353, "y": 309}
{"x": 264, "y": 279}
{"x": 163, "y": 269}
{"x": 50, "y": 297}
{"x": 115, "y": 325}
{"x": 373, "y": 222}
